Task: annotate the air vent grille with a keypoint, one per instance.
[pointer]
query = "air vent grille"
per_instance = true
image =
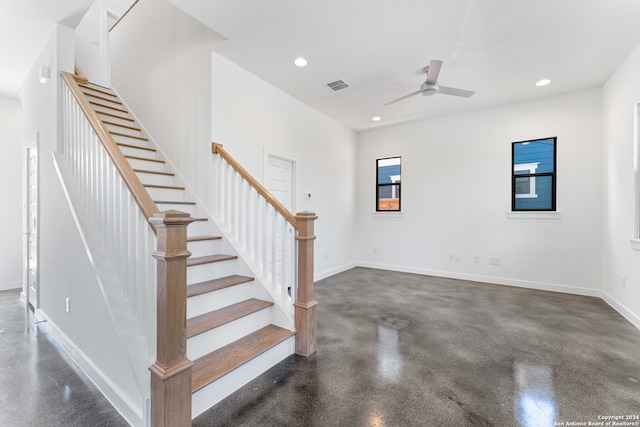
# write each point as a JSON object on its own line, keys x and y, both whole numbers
{"x": 337, "y": 85}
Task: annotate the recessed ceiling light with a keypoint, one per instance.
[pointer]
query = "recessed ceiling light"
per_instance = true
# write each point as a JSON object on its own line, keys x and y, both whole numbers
{"x": 376, "y": 118}
{"x": 543, "y": 82}
{"x": 300, "y": 62}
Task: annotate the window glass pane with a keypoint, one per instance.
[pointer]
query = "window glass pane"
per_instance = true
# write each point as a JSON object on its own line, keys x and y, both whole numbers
{"x": 540, "y": 151}
{"x": 523, "y": 185}
{"x": 388, "y": 198}
{"x": 389, "y": 170}
{"x": 541, "y": 199}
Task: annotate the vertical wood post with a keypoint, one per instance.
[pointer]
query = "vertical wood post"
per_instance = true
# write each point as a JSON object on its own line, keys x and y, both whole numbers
{"x": 305, "y": 305}
{"x": 171, "y": 372}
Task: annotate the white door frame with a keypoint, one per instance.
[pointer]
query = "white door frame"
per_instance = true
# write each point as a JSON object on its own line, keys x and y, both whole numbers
{"x": 30, "y": 295}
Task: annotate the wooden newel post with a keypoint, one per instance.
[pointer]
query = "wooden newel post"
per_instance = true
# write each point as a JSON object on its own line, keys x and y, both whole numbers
{"x": 305, "y": 305}
{"x": 171, "y": 372}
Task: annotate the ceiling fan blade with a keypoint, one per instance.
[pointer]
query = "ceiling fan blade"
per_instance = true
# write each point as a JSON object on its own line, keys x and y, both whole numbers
{"x": 404, "y": 97}
{"x": 455, "y": 92}
{"x": 434, "y": 71}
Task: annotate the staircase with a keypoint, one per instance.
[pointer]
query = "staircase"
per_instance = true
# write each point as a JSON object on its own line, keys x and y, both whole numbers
{"x": 232, "y": 331}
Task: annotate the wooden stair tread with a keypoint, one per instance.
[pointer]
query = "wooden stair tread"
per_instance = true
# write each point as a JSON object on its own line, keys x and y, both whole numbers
{"x": 93, "y": 95}
{"x": 208, "y": 259}
{"x": 213, "y": 319}
{"x": 144, "y": 158}
{"x": 108, "y": 106}
{"x": 121, "y": 144}
{"x": 107, "y": 122}
{"x": 174, "y": 202}
{"x": 201, "y": 238}
{"x": 216, "y": 284}
{"x": 104, "y": 113}
{"x": 98, "y": 89}
{"x": 166, "y": 187}
{"x": 218, "y": 363}
{"x": 154, "y": 172}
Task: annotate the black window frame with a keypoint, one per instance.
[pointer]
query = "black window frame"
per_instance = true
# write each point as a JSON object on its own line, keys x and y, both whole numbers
{"x": 398, "y": 184}
{"x": 552, "y": 174}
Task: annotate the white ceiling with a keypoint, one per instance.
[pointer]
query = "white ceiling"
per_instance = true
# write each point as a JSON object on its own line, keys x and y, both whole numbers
{"x": 499, "y": 48}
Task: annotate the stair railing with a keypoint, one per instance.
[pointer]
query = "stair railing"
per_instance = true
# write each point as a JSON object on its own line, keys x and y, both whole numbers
{"x": 119, "y": 222}
{"x": 259, "y": 227}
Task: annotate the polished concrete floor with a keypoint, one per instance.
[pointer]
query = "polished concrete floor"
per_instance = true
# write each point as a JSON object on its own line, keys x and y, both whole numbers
{"x": 404, "y": 350}
{"x": 394, "y": 349}
{"x": 39, "y": 384}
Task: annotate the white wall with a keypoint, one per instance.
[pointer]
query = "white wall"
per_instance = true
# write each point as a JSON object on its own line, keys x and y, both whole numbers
{"x": 251, "y": 118}
{"x": 11, "y": 164}
{"x": 456, "y": 193}
{"x": 161, "y": 67}
{"x": 92, "y": 39}
{"x": 620, "y": 94}
{"x": 86, "y": 333}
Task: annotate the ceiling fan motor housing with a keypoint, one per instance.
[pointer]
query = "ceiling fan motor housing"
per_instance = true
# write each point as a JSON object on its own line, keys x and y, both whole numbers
{"x": 429, "y": 89}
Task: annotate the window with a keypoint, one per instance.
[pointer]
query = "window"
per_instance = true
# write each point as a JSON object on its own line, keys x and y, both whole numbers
{"x": 533, "y": 178}
{"x": 388, "y": 184}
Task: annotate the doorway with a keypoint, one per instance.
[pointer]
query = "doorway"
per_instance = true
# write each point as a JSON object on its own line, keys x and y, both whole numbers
{"x": 31, "y": 220}
{"x": 280, "y": 181}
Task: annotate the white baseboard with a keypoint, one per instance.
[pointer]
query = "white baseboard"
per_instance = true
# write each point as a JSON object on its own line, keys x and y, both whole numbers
{"x": 488, "y": 279}
{"x": 12, "y": 285}
{"x": 132, "y": 413}
{"x": 616, "y": 305}
{"x": 620, "y": 308}
{"x": 334, "y": 271}
{"x": 23, "y": 298}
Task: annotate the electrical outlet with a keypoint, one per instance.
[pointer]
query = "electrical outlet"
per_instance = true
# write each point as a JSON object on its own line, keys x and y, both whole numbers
{"x": 456, "y": 258}
{"x": 476, "y": 259}
{"x": 623, "y": 282}
{"x": 326, "y": 257}
{"x": 494, "y": 260}
{"x": 67, "y": 305}
{"x": 375, "y": 250}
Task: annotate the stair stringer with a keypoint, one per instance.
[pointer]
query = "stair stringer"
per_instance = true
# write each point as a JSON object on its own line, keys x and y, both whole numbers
{"x": 283, "y": 313}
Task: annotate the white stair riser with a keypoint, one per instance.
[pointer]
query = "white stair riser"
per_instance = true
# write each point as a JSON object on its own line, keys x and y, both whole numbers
{"x": 216, "y": 338}
{"x": 214, "y": 270}
{"x": 166, "y": 194}
{"x": 115, "y": 119}
{"x": 107, "y": 101}
{"x": 218, "y": 390}
{"x": 146, "y": 165}
{"x": 205, "y": 247}
{"x": 97, "y": 92}
{"x": 201, "y": 304}
{"x": 114, "y": 128}
{"x": 134, "y": 151}
{"x": 117, "y": 111}
{"x": 131, "y": 141}
{"x": 190, "y": 209}
{"x": 156, "y": 179}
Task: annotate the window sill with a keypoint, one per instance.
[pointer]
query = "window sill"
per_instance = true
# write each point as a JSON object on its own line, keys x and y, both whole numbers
{"x": 534, "y": 215}
{"x": 388, "y": 214}
{"x": 635, "y": 243}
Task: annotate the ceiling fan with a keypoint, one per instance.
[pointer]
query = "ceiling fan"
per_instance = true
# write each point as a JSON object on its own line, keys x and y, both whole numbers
{"x": 431, "y": 86}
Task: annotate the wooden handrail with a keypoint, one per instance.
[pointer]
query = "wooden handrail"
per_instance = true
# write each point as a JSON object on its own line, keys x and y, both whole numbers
{"x": 123, "y": 15}
{"x": 218, "y": 149}
{"x": 139, "y": 193}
